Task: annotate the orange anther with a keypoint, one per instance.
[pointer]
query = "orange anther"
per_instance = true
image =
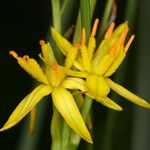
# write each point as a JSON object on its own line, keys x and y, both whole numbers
{"x": 129, "y": 43}
{"x": 83, "y": 37}
{"x": 25, "y": 57}
{"x": 123, "y": 36}
{"x": 55, "y": 69}
{"x": 13, "y": 53}
{"x": 95, "y": 26}
{"x": 41, "y": 42}
{"x": 78, "y": 45}
{"x": 114, "y": 49}
{"x": 109, "y": 30}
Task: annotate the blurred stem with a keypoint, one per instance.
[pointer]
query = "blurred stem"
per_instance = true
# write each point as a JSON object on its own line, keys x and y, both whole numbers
{"x": 77, "y": 34}
{"x": 56, "y": 14}
{"x": 85, "y": 16}
{"x": 105, "y": 19}
{"x": 66, "y": 130}
{"x": 111, "y": 119}
{"x": 63, "y": 7}
{"x": 56, "y": 124}
{"x": 130, "y": 13}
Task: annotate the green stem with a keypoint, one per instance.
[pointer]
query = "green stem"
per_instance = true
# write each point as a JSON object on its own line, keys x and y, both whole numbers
{"x": 66, "y": 130}
{"x": 56, "y": 124}
{"x": 105, "y": 19}
{"x": 77, "y": 34}
{"x": 130, "y": 13}
{"x": 56, "y": 14}
{"x": 85, "y": 16}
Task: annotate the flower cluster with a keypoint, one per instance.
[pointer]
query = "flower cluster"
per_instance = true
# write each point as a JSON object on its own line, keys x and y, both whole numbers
{"x": 86, "y": 68}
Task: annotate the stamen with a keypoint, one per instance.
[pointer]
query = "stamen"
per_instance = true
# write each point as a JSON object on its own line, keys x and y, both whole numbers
{"x": 41, "y": 42}
{"x": 13, "y": 53}
{"x": 123, "y": 36}
{"x": 25, "y": 57}
{"x": 129, "y": 43}
{"x": 114, "y": 49}
{"x": 78, "y": 45}
{"x": 95, "y": 26}
{"x": 83, "y": 37}
{"x": 55, "y": 69}
{"x": 109, "y": 30}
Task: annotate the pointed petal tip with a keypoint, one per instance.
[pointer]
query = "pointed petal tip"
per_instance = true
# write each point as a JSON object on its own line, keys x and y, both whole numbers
{"x": 90, "y": 141}
{"x": 120, "y": 108}
{"x": 146, "y": 105}
{"x": 117, "y": 108}
{"x": 4, "y": 128}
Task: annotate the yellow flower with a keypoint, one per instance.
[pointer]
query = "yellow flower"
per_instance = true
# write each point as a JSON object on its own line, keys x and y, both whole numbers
{"x": 98, "y": 64}
{"x": 54, "y": 80}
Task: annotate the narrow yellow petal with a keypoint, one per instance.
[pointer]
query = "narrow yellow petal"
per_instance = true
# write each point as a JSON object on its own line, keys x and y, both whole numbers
{"x": 85, "y": 58}
{"x": 73, "y": 73}
{"x": 78, "y": 65}
{"x": 30, "y": 66}
{"x": 108, "y": 103}
{"x": 91, "y": 47}
{"x": 32, "y": 120}
{"x": 26, "y": 105}
{"x": 65, "y": 104}
{"x": 103, "y": 65}
{"x": 61, "y": 42}
{"x": 33, "y": 68}
{"x": 127, "y": 94}
{"x": 101, "y": 51}
{"x": 74, "y": 83}
{"x": 118, "y": 31}
{"x": 70, "y": 59}
{"x": 116, "y": 63}
{"x": 47, "y": 52}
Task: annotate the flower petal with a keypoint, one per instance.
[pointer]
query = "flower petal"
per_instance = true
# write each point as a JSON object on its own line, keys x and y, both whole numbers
{"x": 85, "y": 58}
{"x": 108, "y": 103}
{"x": 91, "y": 47}
{"x": 61, "y": 42}
{"x": 127, "y": 94}
{"x": 116, "y": 63}
{"x": 70, "y": 59}
{"x": 73, "y": 73}
{"x": 74, "y": 83}
{"x": 26, "y": 105}
{"x": 32, "y": 67}
{"x": 66, "y": 105}
{"x": 47, "y": 52}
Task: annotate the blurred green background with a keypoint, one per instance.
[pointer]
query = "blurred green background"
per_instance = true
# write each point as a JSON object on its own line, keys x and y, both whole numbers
{"x": 22, "y": 24}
